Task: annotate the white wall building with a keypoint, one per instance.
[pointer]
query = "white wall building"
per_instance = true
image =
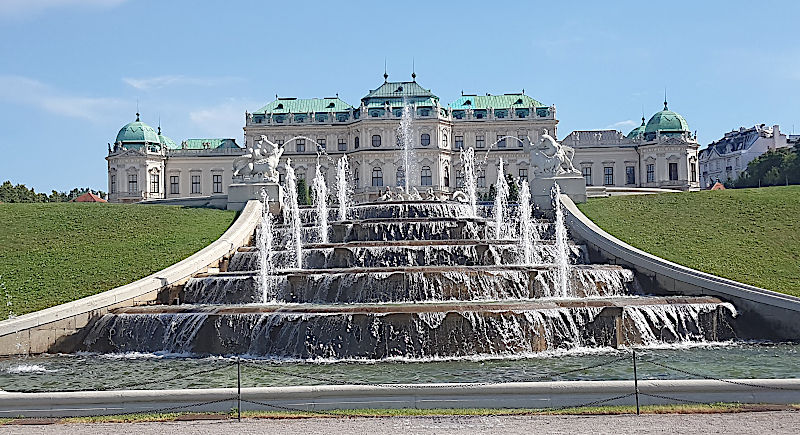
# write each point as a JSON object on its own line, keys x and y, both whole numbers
{"x": 725, "y": 159}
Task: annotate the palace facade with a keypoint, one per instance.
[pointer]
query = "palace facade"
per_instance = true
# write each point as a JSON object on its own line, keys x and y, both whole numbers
{"x": 145, "y": 164}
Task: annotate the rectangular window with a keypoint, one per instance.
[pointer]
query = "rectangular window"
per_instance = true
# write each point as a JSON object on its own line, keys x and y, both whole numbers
{"x": 281, "y": 178}
{"x": 133, "y": 183}
{"x": 459, "y": 142}
{"x": 342, "y": 144}
{"x": 301, "y": 145}
{"x": 694, "y": 171}
{"x": 651, "y": 173}
{"x": 501, "y": 140}
{"x": 154, "y": 183}
{"x": 195, "y": 184}
{"x": 522, "y": 139}
{"x": 113, "y": 187}
{"x": 523, "y": 175}
{"x": 321, "y": 143}
{"x": 587, "y": 174}
{"x": 279, "y": 142}
{"x": 630, "y": 175}
{"x": 673, "y": 171}
{"x": 174, "y": 185}
{"x": 608, "y": 175}
{"x": 481, "y": 179}
{"x": 216, "y": 181}
{"x": 480, "y": 141}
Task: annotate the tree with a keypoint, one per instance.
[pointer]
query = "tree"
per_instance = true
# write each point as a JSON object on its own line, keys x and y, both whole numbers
{"x": 302, "y": 192}
{"x": 513, "y": 189}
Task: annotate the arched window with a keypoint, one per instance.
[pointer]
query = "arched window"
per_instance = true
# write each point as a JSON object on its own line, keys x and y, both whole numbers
{"x": 376, "y": 140}
{"x": 444, "y": 140}
{"x": 401, "y": 176}
{"x": 446, "y": 177}
{"x": 425, "y": 139}
{"x": 426, "y": 179}
{"x": 377, "y": 177}
{"x": 356, "y": 179}
{"x": 357, "y": 143}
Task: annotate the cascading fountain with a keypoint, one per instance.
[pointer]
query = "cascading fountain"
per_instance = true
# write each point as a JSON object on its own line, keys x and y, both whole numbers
{"x": 562, "y": 254}
{"x": 291, "y": 214}
{"x": 321, "y": 203}
{"x": 500, "y": 202}
{"x": 470, "y": 185}
{"x": 405, "y": 134}
{"x": 527, "y": 230}
{"x": 344, "y": 192}
{"x": 265, "y": 265}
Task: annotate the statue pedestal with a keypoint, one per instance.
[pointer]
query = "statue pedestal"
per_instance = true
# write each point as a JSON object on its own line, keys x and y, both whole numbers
{"x": 573, "y": 186}
{"x": 240, "y": 193}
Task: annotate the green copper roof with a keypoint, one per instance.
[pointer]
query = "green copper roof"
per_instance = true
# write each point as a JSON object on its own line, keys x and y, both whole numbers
{"x": 637, "y": 132}
{"x": 400, "y": 90}
{"x": 137, "y": 132}
{"x": 166, "y": 142}
{"x": 506, "y": 101}
{"x": 201, "y": 144}
{"x": 294, "y": 105}
{"x": 394, "y": 102}
{"x": 666, "y": 120}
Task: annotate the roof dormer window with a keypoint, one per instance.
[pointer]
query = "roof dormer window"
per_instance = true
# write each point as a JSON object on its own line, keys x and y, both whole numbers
{"x": 399, "y": 89}
{"x": 280, "y": 106}
{"x": 468, "y": 103}
{"x": 330, "y": 105}
{"x": 519, "y": 101}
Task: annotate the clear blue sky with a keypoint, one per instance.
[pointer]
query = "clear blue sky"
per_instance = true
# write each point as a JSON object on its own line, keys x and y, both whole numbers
{"x": 73, "y": 70}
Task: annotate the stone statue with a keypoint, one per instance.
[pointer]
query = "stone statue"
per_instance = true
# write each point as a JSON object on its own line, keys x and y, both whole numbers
{"x": 260, "y": 161}
{"x": 551, "y": 158}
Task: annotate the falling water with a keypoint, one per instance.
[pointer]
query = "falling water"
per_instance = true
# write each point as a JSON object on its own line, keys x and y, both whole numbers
{"x": 527, "y": 231}
{"x": 562, "y": 249}
{"x": 406, "y": 135}
{"x": 265, "y": 251}
{"x": 500, "y": 201}
{"x": 292, "y": 213}
{"x": 321, "y": 204}
{"x": 468, "y": 158}
{"x": 343, "y": 187}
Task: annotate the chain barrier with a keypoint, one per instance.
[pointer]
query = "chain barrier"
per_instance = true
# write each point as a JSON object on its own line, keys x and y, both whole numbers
{"x": 729, "y": 381}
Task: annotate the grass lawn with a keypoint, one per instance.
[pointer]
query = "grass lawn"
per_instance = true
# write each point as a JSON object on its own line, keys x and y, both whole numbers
{"x": 748, "y": 235}
{"x": 59, "y": 252}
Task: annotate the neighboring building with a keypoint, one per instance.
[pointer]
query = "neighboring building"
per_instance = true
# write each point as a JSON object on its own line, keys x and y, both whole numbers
{"x": 144, "y": 164}
{"x": 725, "y": 159}
{"x": 661, "y": 153}
{"x": 88, "y": 197}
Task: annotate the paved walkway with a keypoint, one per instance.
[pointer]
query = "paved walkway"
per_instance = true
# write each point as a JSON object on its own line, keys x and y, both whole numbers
{"x": 772, "y": 422}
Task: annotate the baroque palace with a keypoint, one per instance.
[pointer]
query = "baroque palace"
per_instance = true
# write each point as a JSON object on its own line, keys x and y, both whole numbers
{"x": 145, "y": 164}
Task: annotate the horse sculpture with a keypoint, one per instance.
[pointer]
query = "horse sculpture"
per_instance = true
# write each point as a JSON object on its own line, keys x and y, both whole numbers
{"x": 552, "y": 158}
{"x": 260, "y": 161}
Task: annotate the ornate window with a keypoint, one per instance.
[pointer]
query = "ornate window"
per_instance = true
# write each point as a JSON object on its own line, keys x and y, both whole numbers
{"x": 376, "y": 140}
{"x": 673, "y": 171}
{"x": 400, "y": 176}
{"x": 444, "y": 140}
{"x": 174, "y": 184}
{"x": 651, "y": 173}
{"x": 459, "y": 178}
{"x": 321, "y": 144}
{"x": 480, "y": 141}
{"x": 501, "y": 140}
{"x": 301, "y": 145}
{"x": 630, "y": 175}
{"x": 357, "y": 142}
{"x": 279, "y": 142}
{"x": 196, "y": 184}
{"x": 481, "y": 180}
{"x": 113, "y": 188}
{"x": 356, "y": 179}
{"x": 377, "y": 177}
{"x": 523, "y": 174}
{"x": 216, "y": 181}
{"x": 608, "y": 175}
{"x": 587, "y": 174}
{"x": 446, "y": 176}
{"x": 342, "y": 144}
{"x": 154, "y": 183}
{"x": 133, "y": 183}
{"x": 694, "y": 170}
{"x": 459, "y": 142}
{"x": 425, "y": 176}
{"x": 522, "y": 139}
{"x": 425, "y": 139}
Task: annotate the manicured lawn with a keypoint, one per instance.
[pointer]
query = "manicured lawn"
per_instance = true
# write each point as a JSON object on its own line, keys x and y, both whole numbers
{"x": 748, "y": 235}
{"x": 58, "y": 252}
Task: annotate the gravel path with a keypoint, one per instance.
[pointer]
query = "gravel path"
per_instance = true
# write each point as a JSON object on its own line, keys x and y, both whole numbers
{"x": 772, "y": 422}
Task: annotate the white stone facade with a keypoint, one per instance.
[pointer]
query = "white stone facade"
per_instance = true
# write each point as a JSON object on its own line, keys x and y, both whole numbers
{"x": 724, "y": 160}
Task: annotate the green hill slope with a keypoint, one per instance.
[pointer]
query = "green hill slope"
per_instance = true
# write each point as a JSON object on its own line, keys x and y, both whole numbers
{"x": 748, "y": 235}
{"x": 58, "y": 252}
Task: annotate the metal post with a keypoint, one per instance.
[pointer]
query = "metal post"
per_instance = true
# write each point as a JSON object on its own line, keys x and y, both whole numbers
{"x": 635, "y": 382}
{"x": 239, "y": 387}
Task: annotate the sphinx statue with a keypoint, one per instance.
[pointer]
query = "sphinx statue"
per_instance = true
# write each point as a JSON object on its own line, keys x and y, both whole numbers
{"x": 550, "y": 158}
{"x": 260, "y": 161}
